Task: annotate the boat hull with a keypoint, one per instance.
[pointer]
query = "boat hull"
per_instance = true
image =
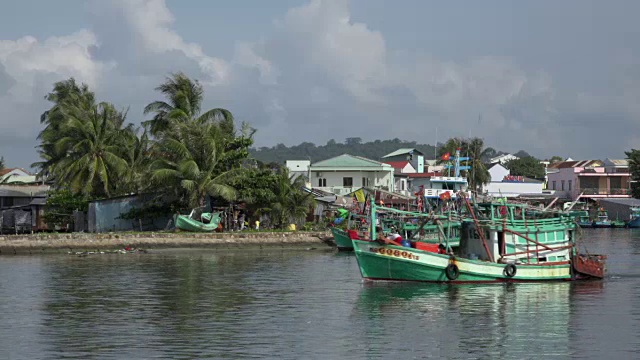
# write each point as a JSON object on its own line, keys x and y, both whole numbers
{"x": 388, "y": 262}
{"x": 342, "y": 239}
{"x": 634, "y": 223}
{"x": 185, "y": 223}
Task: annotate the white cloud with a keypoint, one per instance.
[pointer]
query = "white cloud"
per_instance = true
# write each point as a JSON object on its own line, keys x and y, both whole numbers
{"x": 317, "y": 75}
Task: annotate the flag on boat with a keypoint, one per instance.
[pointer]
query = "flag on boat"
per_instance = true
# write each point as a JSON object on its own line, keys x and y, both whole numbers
{"x": 446, "y": 156}
{"x": 445, "y": 196}
{"x": 359, "y": 195}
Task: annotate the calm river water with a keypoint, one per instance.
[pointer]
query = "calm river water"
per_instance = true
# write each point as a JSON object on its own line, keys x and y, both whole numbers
{"x": 298, "y": 304}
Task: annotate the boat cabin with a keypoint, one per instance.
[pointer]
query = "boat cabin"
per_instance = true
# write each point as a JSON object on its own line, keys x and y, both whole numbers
{"x": 514, "y": 233}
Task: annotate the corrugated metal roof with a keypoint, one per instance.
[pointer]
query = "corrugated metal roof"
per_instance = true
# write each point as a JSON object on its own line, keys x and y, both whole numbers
{"x": 347, "y": 161}
{"x": 403, "y": 152}
{"x": 573, "y": 164}
{"x": 620, "y": 162}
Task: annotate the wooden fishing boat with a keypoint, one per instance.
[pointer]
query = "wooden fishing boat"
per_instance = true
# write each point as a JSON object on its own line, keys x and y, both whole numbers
{"x": 342, "y": 239}
{"x": 188, "y": 223}
{"x": 501, "y": 243}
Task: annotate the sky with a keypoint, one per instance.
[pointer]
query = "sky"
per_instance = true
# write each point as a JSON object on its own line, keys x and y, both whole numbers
{"x": 550, "y": 77}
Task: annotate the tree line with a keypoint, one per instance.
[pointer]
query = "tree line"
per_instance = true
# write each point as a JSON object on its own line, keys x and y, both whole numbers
{"x": 88, "y": 151}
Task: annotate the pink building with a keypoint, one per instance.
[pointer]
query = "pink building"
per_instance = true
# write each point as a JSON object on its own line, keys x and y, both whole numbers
{"x": 592, "y": 178}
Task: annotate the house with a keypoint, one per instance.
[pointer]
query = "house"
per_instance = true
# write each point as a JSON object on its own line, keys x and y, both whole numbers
{"x": 345, "y": 173}
{"x": 22, "y": 207}
{"x": 502, "y": 184}
{"x": 594, "y": 179}
{"x": 503, "y": 159}
{"x": 413, "y": 156}
{"x": 402, "y": 167}
{"x": 298, "y": 167}
{"x": 16, "y": 175}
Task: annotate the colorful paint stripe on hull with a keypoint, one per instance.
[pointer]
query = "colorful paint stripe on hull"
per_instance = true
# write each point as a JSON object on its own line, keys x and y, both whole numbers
{"x": 407, "y": 264}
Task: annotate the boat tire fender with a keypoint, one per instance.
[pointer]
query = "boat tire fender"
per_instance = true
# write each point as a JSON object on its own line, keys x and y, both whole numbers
{"x": 510, "y": 270}
{"x": 452, "y": 271}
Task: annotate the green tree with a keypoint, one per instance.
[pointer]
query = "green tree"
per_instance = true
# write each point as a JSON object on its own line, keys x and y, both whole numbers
{"x": 66, "y": 94}
{"x": 634, "y": 168}
{"x": 474, "y": 149}
{"x": 189, "y": 163}
{"x": 526, "y": 166}
{"x": 183, "y": 105}
{"x": 555, "y": 159}
{"x": 2, "y": 163}
{"x": 290, "y": 204}
{"x": 60, "y": 207}
{"x": 94, "y": 142}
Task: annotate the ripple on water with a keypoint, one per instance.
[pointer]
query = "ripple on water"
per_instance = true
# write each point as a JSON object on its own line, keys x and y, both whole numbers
{"x": 304, "y": 304}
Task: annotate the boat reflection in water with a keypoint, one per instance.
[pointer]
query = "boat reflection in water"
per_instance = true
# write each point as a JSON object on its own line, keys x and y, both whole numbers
{"x": 495, "y": 321}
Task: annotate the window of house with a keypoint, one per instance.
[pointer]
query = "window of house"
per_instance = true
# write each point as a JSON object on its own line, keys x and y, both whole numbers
{"x": 554, "y": 185}
{"x": 570, "y": 185}
{"x": 322, "y": 182}
{"x": 402, "y": 185}
{"x": 562, "y": 185}
{"x": 347, "y": 181}
{"x": 364, "y": 181}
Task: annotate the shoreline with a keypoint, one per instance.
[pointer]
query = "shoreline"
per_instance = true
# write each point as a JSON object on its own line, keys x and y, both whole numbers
{"x": 78, "y": 242}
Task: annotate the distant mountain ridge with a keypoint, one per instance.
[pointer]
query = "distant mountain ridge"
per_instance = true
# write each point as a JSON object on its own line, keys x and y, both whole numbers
{"x": 373, "y": 150}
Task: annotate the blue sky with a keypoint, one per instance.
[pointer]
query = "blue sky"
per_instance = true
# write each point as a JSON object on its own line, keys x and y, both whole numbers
{"x": 550, "y": 77}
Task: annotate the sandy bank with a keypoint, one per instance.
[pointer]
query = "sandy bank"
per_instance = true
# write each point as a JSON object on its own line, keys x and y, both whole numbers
{"x": 37, "y": 243}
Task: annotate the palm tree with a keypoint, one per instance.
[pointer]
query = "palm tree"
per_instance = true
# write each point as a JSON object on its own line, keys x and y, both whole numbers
{"x": 138, "y": 156}
{"x": 290, "y": 202}
{"x": 65, "y": 94}
{"x": 474, "y": 149}
{"x": 188, "y": 161}
{"x": 94, "y": 143}
{"x": 183, "y": 105}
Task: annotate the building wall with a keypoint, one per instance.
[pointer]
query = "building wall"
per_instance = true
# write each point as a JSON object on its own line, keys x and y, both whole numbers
{"x": 334, "y": 180}
{"x": 103, "y": 216}
{"x": 513, "y": 188}
{"x": 298, "y": 165}
{"x": 566, "y": 175}
{"x": 498, "y": 172}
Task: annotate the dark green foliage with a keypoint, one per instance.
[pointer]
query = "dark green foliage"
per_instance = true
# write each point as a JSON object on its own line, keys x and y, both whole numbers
{"x": 60, "y": 207}
{"x": 634, "y": 169}
{"x": 526, "y": 166}
{"x": 522, "y": 154}
{"x": 554, "y": 159}
{"x": 374, "y": 150}
{"x": 151, "y": 210}
{"x": 2, "y": 162}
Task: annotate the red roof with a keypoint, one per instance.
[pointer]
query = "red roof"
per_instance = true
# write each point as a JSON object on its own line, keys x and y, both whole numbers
{"x": 397, "y": 164}
{"x": 423, "y": 175}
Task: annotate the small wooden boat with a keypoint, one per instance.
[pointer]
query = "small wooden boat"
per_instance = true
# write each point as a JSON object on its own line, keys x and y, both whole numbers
{"x": 342, "y": 239}
{"x": 188, "y": 223}
{"x": 502, "y": 243}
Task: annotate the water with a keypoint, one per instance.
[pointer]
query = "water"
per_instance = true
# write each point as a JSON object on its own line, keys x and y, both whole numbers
{"x": 294, "y": 304}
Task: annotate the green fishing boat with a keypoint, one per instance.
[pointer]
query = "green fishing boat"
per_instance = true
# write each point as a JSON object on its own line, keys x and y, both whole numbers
{"x": 187, "y": 223}
{"x": 342, "y": 239}
{"x": 499, "y": 243}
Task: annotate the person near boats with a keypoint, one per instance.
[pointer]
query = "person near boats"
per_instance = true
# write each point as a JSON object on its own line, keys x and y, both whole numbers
{"x": 392, "y": 239}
